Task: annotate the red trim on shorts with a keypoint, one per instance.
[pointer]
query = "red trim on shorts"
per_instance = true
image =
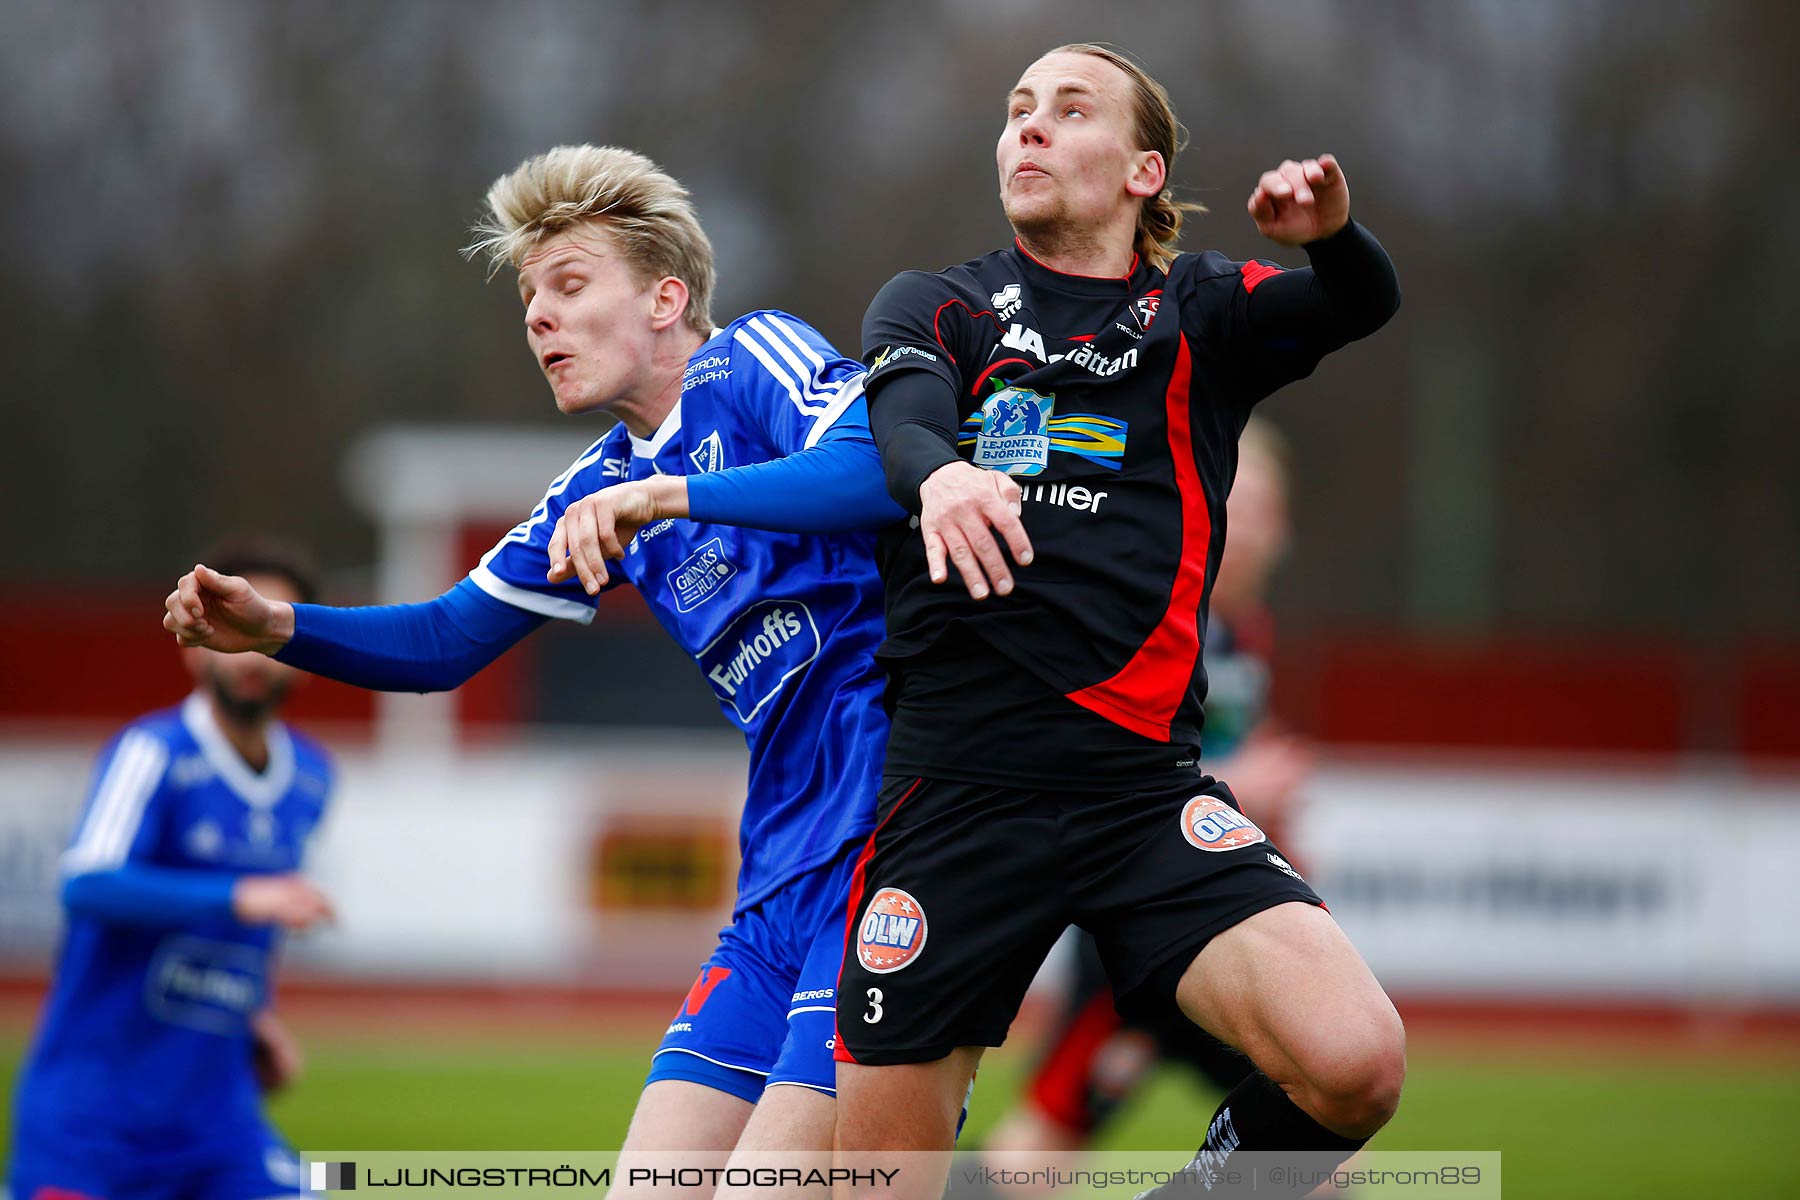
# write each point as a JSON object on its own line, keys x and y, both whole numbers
{"x": 1144, "y": 696}
{"x": 1060, "y": 1086}
{"x": 56, "y": 1193}
{"x": 1254, "y": 273}
{"x": 839, "y": 1052}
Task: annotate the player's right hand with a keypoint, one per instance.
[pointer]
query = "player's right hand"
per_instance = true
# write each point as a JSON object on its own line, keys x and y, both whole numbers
{"x": 223, "y": 612}
{"x": 962, "y": 507}
{"x": 290, "y": 901}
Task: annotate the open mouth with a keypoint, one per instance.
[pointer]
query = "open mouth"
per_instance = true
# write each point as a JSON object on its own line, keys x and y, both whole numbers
{"x": 554, "y": 359}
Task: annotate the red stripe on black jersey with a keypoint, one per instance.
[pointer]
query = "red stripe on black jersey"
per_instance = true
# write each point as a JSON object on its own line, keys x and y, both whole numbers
{"x": 1145, "y": 693}
{"x": 1255, "y": 272}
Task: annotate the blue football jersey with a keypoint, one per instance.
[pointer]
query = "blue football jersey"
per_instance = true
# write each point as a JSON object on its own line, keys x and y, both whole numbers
{"x": 145, "y": 1047}
{"x": 783, "y": 626}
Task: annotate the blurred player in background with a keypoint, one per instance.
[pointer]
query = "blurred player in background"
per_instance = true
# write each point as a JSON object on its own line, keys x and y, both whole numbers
{"x": 1075, "y": 401}
{"x": 1095, "y": 1059}
{"x": 760, "y": 425}
{"x": 158, "y": 1036}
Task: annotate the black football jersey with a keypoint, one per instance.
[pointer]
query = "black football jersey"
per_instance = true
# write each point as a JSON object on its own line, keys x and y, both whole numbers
{"x": 1116, "y": 405}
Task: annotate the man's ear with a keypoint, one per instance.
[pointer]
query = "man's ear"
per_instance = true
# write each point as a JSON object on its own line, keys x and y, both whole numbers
{"x": 1148, "y": 176}
{"x": 668, "y": 302}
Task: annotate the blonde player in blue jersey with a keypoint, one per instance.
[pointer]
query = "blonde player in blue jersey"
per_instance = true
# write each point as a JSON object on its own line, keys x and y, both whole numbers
{"x": 145, "y": 1079}
{"x": 721, "y": 433}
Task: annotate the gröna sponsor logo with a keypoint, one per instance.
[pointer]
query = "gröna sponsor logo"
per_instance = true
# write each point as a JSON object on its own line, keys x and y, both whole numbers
{"x": 700, "y": 576}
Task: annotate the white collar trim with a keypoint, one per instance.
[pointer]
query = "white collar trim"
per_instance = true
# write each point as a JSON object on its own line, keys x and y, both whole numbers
{"x": 671, "y": 426}
{"x": 260, "y": 790}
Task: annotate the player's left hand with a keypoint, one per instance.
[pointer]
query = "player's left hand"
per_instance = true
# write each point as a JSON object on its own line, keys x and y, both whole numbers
{"x": 1300, "y": 202}
{"x": 598, "y": 527}
{"x": 274, "y": 1052}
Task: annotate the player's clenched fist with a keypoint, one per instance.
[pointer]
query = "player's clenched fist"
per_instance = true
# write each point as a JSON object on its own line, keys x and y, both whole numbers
{"x": 290, "y": 901}
{"x": 1300, "y": 202}
{"x": 223, "y": 612}
{"x": 598, "y": 527}
{"x": 962, "y": 506}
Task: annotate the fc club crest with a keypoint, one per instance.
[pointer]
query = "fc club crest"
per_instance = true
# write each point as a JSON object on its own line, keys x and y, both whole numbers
{"x": 1144, "y": 309}
{"x": 892, "y": 933}
{"x": 1015, "y": 431}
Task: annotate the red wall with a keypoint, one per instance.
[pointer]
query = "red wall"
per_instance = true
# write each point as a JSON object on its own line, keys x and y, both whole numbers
{"x": 102, "y": 657}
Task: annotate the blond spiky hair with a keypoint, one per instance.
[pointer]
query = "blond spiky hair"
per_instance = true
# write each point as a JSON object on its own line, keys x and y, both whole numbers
{"x": 647, "y": 212}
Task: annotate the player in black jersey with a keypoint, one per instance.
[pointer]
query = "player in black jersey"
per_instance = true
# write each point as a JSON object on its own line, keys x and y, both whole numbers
{"x": 1094, "y": 1060}
{"x": 1078, "y": 397}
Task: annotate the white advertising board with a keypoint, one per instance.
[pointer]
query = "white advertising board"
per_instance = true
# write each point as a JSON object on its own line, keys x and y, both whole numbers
{"x": 611, "y": 861}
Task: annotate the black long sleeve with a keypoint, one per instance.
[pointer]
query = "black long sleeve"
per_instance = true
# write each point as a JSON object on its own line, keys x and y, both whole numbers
{"x": 1350, "y": 291}
{"x": 914, "y": 419}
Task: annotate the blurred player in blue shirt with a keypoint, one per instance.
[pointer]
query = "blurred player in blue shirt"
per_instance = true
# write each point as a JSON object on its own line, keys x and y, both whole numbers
{"x": 158, "y": 1037}
{"x": 721, "y": 433}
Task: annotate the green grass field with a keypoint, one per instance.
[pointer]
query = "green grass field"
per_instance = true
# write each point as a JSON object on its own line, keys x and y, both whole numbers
{"x": 1602, "y": 1125}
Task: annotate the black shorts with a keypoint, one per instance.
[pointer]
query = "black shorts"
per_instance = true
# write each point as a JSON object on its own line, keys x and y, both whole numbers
{"x": 963, "y": 888}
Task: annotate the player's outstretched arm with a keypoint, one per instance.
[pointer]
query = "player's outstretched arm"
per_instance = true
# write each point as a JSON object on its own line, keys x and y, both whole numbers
{"x": 223, "y": 612}
{"x": 292, "y": 902}
{"x": 429, "y": 647}
{"x": 832, "y": 487}
{"x": 1349, "y": 290}
{"x": 146, "y": 896}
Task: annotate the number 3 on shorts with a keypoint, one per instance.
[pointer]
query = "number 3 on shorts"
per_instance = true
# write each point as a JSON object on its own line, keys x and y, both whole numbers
{"x": 874, "y": 1013}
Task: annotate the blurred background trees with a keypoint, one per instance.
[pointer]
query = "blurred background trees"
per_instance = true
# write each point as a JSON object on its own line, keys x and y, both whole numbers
{"x": 234, "y": 234}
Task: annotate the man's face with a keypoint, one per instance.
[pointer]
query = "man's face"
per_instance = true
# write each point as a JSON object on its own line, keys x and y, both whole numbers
{"x": 1067, "y": 153}
{"x": 247, "y": 686}
{"x": 587, "y": 318}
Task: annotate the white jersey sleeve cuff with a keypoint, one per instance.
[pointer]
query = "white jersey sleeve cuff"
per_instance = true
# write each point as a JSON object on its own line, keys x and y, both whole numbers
{"x": 537, "y": 602}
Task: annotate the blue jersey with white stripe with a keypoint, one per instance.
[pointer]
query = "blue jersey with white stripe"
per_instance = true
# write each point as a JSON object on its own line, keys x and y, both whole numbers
{"x": 145, "y": 1048}
{"x": 782, "y": 626}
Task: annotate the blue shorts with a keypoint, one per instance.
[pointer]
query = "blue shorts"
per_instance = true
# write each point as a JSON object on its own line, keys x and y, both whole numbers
{"x": 763, "y": 1011}
{"x": 256, "y": 1166}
